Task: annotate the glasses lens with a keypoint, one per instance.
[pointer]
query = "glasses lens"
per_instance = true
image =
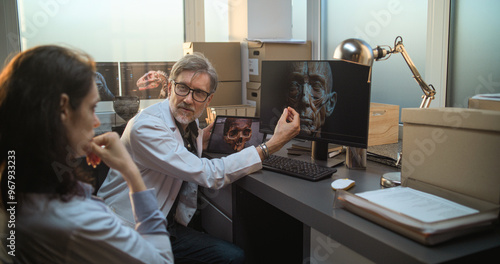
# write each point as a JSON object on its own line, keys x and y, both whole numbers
{"x": 181, "y": 89}
{"x": 199, "y": 95}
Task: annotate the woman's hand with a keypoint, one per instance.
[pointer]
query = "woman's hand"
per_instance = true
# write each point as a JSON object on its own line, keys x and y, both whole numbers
{"x": 108, "y": 148}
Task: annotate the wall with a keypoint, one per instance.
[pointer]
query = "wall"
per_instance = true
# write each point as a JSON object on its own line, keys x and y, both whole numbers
{"x": 113, "y": 30}
{"x": 474, "y": 56}
{"x": 379, "y": 23}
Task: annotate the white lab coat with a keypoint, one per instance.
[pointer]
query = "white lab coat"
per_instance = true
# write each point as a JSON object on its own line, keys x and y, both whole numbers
{"x": 155, "y": 144}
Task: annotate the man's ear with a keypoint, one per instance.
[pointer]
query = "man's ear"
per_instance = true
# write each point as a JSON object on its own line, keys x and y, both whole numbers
{"x": 209, "y": 99}
{"x": 169, "y": 88}
{"x": 330, "y": 104}
{"x": 64, "y": 107}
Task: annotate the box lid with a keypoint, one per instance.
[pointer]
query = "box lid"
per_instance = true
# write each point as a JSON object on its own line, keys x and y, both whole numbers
{"x": 187, "y": 45}
{"x": 255, "y": 44}
{"x": 190, "y": 44}
{"x": 478, "y": 119}
{"x": 260, "y": 45}
{"x": 253, "y": 85}
{"x": 484, "y": 102}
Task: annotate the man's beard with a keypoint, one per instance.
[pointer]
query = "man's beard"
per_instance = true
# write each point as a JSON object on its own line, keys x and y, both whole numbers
{"x": 181, "y": 117}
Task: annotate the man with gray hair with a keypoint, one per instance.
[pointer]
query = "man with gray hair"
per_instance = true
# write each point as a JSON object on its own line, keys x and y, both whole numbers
{"x": 166, "y": 143}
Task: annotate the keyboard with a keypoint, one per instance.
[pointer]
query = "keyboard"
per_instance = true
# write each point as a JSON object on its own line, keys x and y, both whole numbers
{"x": 297, "y": 168}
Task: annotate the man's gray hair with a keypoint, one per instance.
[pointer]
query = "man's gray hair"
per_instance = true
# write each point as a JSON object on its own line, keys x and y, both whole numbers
{"x": 198, "y": 63}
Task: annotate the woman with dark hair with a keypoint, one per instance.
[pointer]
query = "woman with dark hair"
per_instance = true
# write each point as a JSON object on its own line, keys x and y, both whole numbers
{"x": 48, "y": 97}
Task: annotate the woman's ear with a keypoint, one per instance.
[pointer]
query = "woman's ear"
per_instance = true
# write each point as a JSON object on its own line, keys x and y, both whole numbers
{"x": 64, "y": 107}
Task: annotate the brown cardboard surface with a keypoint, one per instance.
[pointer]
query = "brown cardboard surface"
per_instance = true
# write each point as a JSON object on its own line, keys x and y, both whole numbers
{"x": 253, "y": 94}
{"x": 233, "y": 110}
{"x": 384, "y": 124}
{"x": 484, "y": 104}
{"x": 454, "y": 149}
{"x": 257, "y": 52}
{"x": 478, "y": 119}
{"x": 224, "y": 56}
{"x": 227, "y": 93}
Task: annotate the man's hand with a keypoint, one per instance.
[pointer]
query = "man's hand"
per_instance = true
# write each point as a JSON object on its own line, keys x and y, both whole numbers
{"x": 287, "y": 128}
{"x": 207, "y": 131}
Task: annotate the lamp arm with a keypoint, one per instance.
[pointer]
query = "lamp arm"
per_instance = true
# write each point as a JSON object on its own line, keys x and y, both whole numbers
{"x": 428, "y": 90}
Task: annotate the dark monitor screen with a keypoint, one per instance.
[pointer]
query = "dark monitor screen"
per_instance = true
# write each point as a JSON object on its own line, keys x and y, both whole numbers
{"x": 107, "y": 80}
{"x": 145, "y": 79}
{"x": 332, "y": 98}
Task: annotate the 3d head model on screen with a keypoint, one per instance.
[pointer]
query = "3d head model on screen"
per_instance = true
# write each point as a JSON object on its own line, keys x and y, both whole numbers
{"x": 237, "y": 132}
{"x": 310, "y": 92}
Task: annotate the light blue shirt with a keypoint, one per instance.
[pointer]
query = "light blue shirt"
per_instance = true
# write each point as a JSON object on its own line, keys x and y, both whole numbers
{"x": 84, "y": 230}
{"x": 156, "y": 145}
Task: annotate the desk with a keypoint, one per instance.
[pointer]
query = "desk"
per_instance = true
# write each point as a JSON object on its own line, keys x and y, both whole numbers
{"x": 301, "y": 205}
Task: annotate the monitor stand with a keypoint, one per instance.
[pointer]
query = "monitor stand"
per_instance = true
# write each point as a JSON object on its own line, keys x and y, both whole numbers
{"x": 355, "y": 158}
{"x": 319, "y": 155}
{"x": 319, "y": 151}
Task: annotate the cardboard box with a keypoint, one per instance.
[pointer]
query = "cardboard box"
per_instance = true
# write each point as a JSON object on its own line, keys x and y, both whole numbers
{"x": 484, "y": 103}
{"x": 384, "y": 124}
{"x": 258, "y": 51}
{"x": 229, "y": 110}
{"x": 253, "y": 96}
{"x": 224, "y": 56}
{"x": 227, "y": 93}
{"x": 454, "y": 149}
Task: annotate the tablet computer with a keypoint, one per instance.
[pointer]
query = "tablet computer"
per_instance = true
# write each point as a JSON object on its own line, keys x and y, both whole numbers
{"x": 231, "y": 134}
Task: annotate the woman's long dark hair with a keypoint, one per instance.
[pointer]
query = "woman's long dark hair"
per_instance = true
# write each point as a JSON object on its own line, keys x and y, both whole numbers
{"x": 31, "y": 130}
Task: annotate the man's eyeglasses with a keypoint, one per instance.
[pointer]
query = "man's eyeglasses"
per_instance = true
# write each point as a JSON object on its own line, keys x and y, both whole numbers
{"x": 184, "y": 90}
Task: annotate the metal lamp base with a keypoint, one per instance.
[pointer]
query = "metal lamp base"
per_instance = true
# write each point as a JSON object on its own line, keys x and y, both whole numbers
{"x": 391, "y": 179}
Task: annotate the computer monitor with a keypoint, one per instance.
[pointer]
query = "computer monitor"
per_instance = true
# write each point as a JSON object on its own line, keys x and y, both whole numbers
{"x": 145, "y": 79}
{"x": 332, "y": 98}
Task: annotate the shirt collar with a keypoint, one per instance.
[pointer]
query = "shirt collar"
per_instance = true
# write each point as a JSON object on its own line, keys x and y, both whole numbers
{"x": 192, "y": 129}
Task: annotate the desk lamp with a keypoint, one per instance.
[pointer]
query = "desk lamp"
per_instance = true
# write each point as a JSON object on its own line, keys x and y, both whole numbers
{"x": 356, "y": 50}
